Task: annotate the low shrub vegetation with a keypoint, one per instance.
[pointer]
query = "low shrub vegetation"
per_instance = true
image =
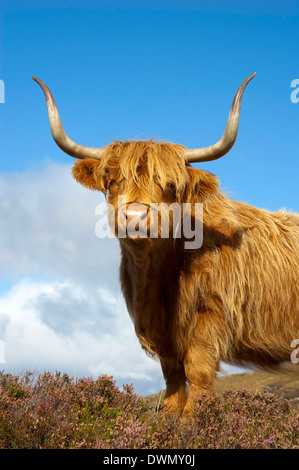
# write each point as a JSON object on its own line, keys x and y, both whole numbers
{"x": 55, "y": 411}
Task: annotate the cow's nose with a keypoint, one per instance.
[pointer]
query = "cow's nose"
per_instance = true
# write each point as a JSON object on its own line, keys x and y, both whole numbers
{"x": 136, "y": 212}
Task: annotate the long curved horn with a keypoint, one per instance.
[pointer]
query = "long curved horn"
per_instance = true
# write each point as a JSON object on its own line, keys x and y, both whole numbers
{"x": 206, "y": 154}
{"x": 60, "y": 137}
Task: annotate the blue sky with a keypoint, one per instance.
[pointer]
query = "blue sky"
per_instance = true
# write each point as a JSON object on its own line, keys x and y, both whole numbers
{"x": 169, "y": 72}
{"x": 122, "y": 69}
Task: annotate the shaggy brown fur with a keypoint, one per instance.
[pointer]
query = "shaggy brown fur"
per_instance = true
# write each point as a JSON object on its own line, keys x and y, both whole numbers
{"x": 235, "y": 299}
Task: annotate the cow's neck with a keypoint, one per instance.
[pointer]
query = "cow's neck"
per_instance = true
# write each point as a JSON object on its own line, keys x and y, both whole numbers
{"x": 147, "y": 254}
{"x": 144, "y": 269}
{"x": 147, "y": 277}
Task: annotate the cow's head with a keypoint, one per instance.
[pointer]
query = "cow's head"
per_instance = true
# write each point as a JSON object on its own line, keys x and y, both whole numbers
{"x": 135, "y": 176}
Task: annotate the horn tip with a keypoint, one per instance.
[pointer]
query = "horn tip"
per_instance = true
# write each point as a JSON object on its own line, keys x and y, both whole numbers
{"x": 37, "y": 80}
{"x": 48, "y": 94}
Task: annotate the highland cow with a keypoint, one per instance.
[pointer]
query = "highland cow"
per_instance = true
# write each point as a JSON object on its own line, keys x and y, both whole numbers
{"x": 234, "y": 299}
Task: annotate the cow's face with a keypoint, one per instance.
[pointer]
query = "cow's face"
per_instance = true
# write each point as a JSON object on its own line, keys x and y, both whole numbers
{"x": 146, "y": 185}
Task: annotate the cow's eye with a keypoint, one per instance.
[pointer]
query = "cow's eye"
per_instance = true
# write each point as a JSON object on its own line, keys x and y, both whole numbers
{"x": 112, "y": 184}
{"x": 170, "y": 186}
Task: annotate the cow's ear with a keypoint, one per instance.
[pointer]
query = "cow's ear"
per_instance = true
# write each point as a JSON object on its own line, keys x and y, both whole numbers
{"x": 201, "y": 184}
{"x": 85, "y": 172}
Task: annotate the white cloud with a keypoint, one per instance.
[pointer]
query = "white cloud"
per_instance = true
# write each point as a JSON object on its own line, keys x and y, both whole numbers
{"x": 96, "y": 345}
{"x": 47, "y": 227}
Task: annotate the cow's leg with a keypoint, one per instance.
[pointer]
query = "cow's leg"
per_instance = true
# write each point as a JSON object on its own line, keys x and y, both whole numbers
{"x": 200, "y": 369}
{"x": 176, "y": 393}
